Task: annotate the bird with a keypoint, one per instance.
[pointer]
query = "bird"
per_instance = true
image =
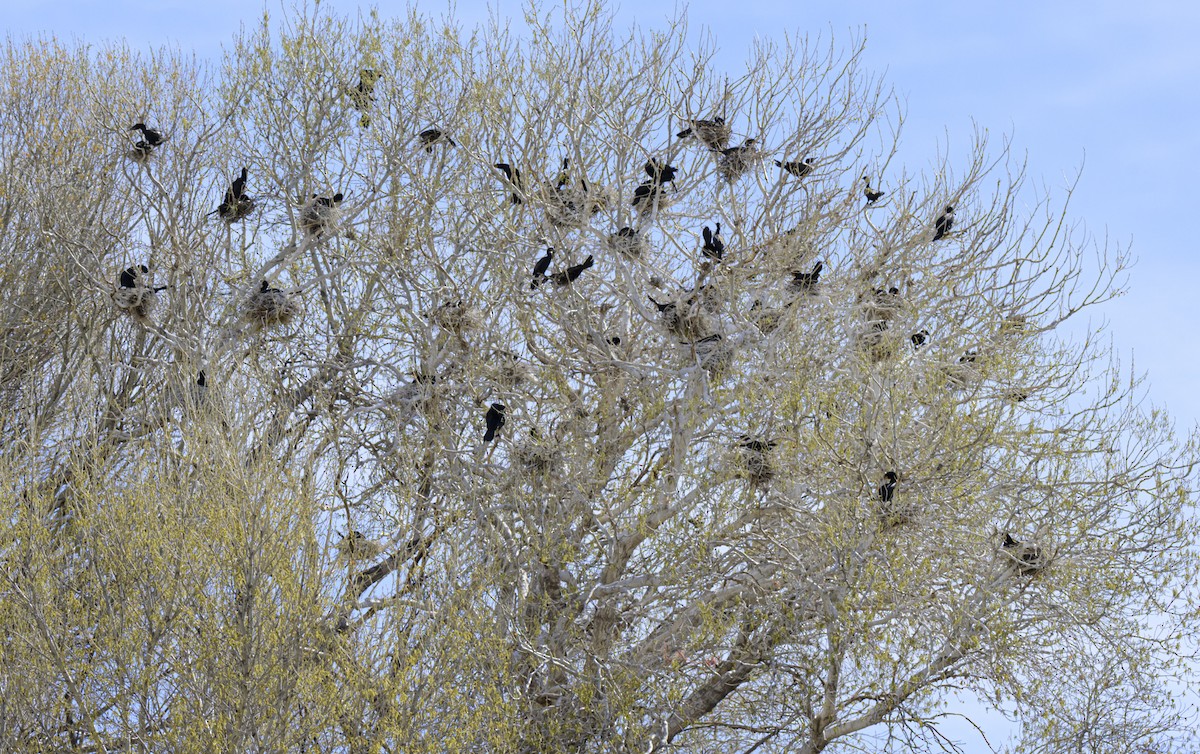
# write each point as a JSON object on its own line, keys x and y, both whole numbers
{"x": 645, "y": 195}
{"x": 151, "y": 137}
{"x": 202, "y": 379}
{"x": 755, "y": 445}
{"x": 888, "y": 489}
{"x": 713, "y": 133}
{"x": 131, "y": 277}
{"x": 871, "y": 194}
{"x": 798, "y": 169}
{"x": 569, "y": 275}
{"x": 357, "y": 546}
{"x": 319, "y": 214}
{"x": 919, "y": 338}
{"x": 236, "y": 204}
{"x": 943, "y": 224}
{"x": 539, "y": 269}
{"x": 495, "y": 420}
{"x": 714, "y": 247}
{"x": 806, "y": 282}
{"x": 564, "y": 174}
{"x": 432, "y": 136}
{"x": 659, "y": 172}
{"x": 968, "y": 358}
{"x": 1028, "y": 557}
{"x": 513, "y": 176}
{"x": 362, "y": 95}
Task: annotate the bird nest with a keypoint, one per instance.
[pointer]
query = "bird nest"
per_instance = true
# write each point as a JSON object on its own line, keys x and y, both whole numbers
{"x": 537, "y": 457}
{"x": 628, "y": 243}
{"x": 320, "y": 215}
{"x": 714, "y": 354}
{"x": 453, "y": 316}
{"x": 137, "y": 302}
{"x": 1026, "y": 558}
{"x": 754, "y": 460}
{"x": 239, "y": 210}
{"x": 271, "y": 306}
{"x": 736, "y": 162}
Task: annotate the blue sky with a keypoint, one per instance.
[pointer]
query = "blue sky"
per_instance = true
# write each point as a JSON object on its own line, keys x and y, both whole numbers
{"x": 1112, "y": 87}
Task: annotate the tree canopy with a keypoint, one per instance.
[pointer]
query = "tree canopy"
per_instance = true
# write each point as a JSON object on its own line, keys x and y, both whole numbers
{"x": 396, "y": 387}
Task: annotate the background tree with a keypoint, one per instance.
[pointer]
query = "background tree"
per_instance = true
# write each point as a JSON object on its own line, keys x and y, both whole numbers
{"x": 254, "y": 509}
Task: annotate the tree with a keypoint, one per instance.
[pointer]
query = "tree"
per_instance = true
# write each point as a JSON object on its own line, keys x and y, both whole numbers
{"x": 254, "y": 509}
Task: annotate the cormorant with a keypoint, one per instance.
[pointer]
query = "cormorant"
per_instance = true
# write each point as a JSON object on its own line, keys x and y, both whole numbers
{"x": 714, "y": 247}
{"x": 513, "y": 176}
{"x": 713, "y": 133}
{"x": 943, "y": 224}
{"x": 362, "y": 95}
{"x": 919, "y": 338}
{"x": 539, "y": 269}
{"x": 495, "y": 420}
{"x": 151, "y": 137}
{"x": 888, "y": 489}
{"x": 659, "y": 172}
{"x": 236, "y": 204}
{"x": 871, "y": 194}
{"x": 806, "y": 282}
{"x": 798, "y": 169}
{"x": 318, "y": 215}
{"x": 569, "y": 275}
{"x": 132, "y": 277}
{"x": 431, "y": 136}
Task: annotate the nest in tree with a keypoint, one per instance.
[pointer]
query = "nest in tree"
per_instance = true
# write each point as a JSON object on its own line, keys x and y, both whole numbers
{"x": 754, "y": 455}
{"x": 627, "y": 242}
{"x": 141, "y": 152}
{"x": 878, "y": 343}
{"x": 895, "y": 512}
{"x": 270, "y": 306}
{"x": 536, "y": 455}
{"x": 240, "y": 210}
{"x": 737, "y": 161}
{"x": 1026, "y": 557}
{"x": 508, "y": 369}
{"x": 453, "y": 316}
{"x": 714, "y": 353}
{"x": 137, "y": 302}
{"x": 320, "y": 214}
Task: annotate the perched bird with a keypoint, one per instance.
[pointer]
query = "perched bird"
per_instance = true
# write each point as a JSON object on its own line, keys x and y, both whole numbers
{"x": 919, "y": 339}
{"x": 659, "y": 172}
{"x": 627, "y": 242}
{"x": 1026, "y": 556}
{"x": 806, "y": 282}
{"x": 798, "y": 169}
{"x": 151, "y": 137}
{"x": 320, "y": 213}
{"x": 431, "y": 136}
{"x": 568, "y": 276}
{"x": 236, "y": 204}
{"x": 362, "y": 95}
{"x": 131, "y": 277}
{"x": 969, "y": 357}
{"x": 887, "y": 490}
{"x": 513, "y": 176}
{"x": 539, "y": 269}
{"x": 495, "y": 420}
{"x": 943, "y": 224}
{"x": 735, "y": 161}
{"x": 713, "y": 133}
{"x": 357, "y": 546}
{"x": 755, "y": 445}
{"x": 270, "y": 306}
{"x": 202, "y": 379}
{"x": 646, "y": 195}
{"x": 871, "y": 194}
{"x": 714, "y": 247}
{"x": 564, "y": 175}
{"x": 614, "y": 340}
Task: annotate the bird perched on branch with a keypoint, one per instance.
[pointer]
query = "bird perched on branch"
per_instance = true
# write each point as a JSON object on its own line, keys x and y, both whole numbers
{"x": 919, "y": 338}
{"x": 362, "y": 95}
{"x": 887, "y": 490}
{"x": 236, "y": 205}
{"x": 806, "y": 282}
{"x": 320, "y": 214}
{"x": 798, "y": 169}
{"x": 943, "y": 224}
{"x": 540, "y": 267}
{"x": 569, "y": 275}
{"x": 144, "y": 147}
{"x": 1027, "y": 557}
{"x": 714, "y": 247}
{"x": 659, "y": 172}
{"x": 513, "y": 176}
{"x": 713, "y": 133}
{"x": 871, "y": 194}
{"x": 495, "y": 420}
{"x": 432, "y": 136}
{"x": 131, "y": 277}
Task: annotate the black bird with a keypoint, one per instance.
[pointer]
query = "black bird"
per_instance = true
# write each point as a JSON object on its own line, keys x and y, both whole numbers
{"x": 663, "y": 308}
{"x": 513, "y": 176}
{"x": 614, "y": 340}
{"x": 888, "y": 489}
{"x": 969, "y": 357}
{"x": 201, "y": 379}
{"x": 539, "y": 269}
{"x": 943, "y": 224}
{"x": 659, "y": 172}
{"x": 235, "y": 204}
{"x": 131, "y": 276}
{"x": 569, "y": 275}
{"x": 495, "y": 420}
{"x": 755, "y": 445}
{"x": 798, "y": 169}
{"x": 431, "y": 136}
{"x": 644, "y": 194}
{"x": 564, "y": 175}
{"x": 806, "y": 282}
{"x": 714, "y": 247}
{"x": 362, "y": 95}
{"x": 237, "y": 189}
{"x": 713, "y": 134}
{"x": 871, "y": 194}
{"x": 151, "y": 137}
{"x": 327, "y": 201}
{"x": 919, "y": 338}
{"x": 1027, "y": 556}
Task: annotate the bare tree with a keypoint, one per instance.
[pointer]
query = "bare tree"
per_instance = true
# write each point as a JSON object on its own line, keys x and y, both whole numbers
{"x": 393, "y": 387}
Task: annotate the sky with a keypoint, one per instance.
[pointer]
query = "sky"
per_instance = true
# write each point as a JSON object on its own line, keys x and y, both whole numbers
{"x": 1111, "y": 88}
